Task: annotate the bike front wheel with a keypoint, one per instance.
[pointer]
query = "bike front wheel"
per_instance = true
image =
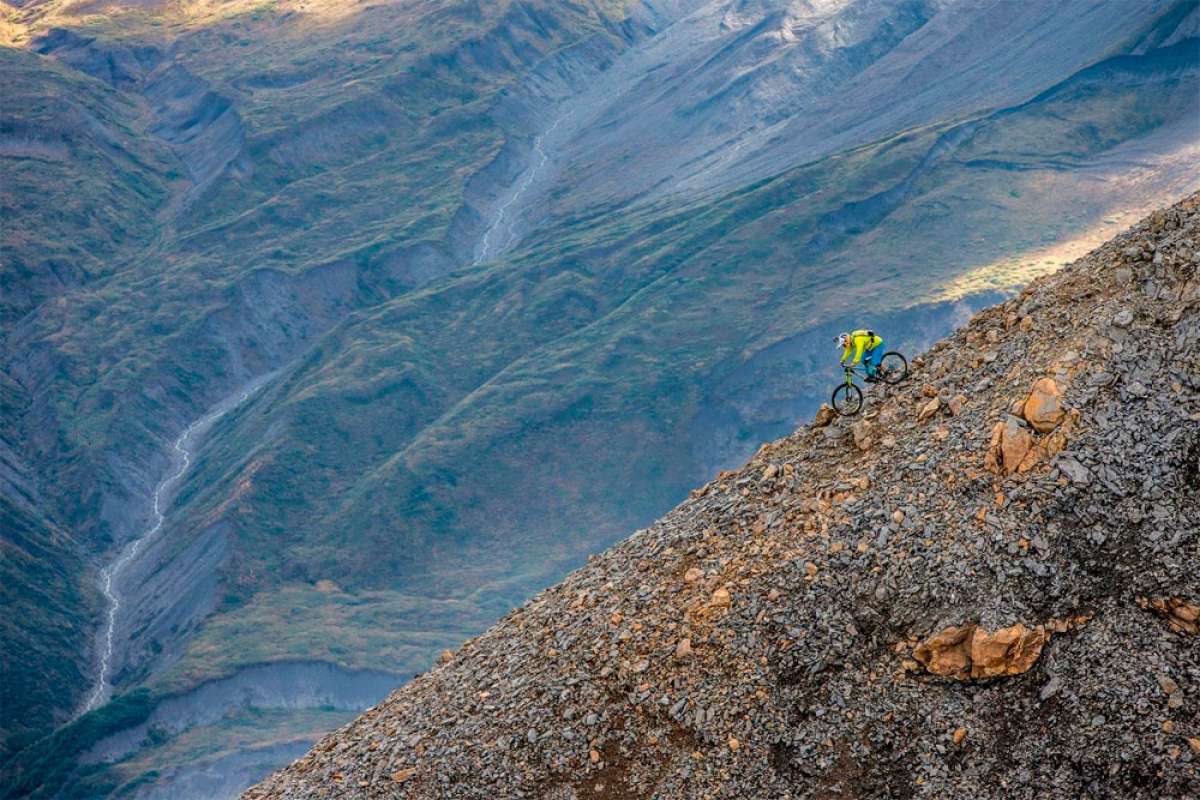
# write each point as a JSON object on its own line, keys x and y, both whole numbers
{"x": 847, "y": 399}
{"x": 893, "y": 368}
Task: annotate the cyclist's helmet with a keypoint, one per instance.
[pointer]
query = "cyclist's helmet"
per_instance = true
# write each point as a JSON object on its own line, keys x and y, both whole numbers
{"x": 843, "y": 339}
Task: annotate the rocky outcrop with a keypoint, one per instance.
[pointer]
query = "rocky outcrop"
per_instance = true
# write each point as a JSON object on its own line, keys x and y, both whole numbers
{"x": 904, "y": 620}
{"x": 966, "y": 652}
{"x": 1015, "y": 445}
{"x": 969, "y": 651}
{"x": 1179, "y": 614}
{"x": 1043, "y": 408}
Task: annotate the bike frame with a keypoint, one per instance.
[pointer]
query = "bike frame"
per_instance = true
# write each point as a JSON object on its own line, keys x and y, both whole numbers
{"x": 882, "y": 374}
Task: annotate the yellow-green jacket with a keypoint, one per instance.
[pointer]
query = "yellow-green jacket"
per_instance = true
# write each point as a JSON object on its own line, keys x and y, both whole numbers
{"x": 860, "y": 341}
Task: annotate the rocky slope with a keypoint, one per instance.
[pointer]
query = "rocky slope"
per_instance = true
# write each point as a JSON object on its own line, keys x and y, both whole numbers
{"x": 987, "y": 586}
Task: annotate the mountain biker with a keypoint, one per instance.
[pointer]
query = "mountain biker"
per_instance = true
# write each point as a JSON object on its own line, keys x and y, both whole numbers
{"x": 867, "y": 346}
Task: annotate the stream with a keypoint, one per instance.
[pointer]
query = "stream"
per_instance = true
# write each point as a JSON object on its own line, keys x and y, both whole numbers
{"x": 181, "y": 458}
{"x": 486, "y": 246}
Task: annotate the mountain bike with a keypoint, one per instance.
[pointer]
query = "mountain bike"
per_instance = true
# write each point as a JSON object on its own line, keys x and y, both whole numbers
{"x": 848, "y": 398}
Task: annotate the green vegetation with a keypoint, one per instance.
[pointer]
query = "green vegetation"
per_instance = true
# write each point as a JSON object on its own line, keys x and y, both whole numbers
{"x": 47, "y": 768}
{"x": 379, "y": 630}
{"x": 46, "y": 607}
{"x": 101, "y": 179}
{"x": 45, "y": 618}
{"x": 352, "y": 164}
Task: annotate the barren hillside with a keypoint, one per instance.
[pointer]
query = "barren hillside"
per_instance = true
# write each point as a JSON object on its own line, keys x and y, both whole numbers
{"x": 988, "y": 586}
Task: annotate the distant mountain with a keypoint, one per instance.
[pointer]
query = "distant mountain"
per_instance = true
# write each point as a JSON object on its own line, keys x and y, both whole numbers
{"x": 508, "y": 279}
{"x": 985, "y": 585}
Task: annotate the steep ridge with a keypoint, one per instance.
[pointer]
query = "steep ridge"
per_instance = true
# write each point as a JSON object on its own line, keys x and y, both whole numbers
{"x": 45, "y": 605}
{"x": 986, "y": 586}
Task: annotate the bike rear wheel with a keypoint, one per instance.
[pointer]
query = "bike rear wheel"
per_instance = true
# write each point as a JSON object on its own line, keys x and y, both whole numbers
{"x": 847, "y": 399}
{"x": 893, "y": 368}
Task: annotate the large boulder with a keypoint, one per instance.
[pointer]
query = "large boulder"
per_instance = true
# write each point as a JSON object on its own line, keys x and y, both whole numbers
{"x": 968, "y": 651}
{"x": 947, "y": 652}
{"x": 1043, "y": 409}
{"x": 825, "y": 415}
{"x": 1008, "y": 651}
{"x": 1012, "y": 448}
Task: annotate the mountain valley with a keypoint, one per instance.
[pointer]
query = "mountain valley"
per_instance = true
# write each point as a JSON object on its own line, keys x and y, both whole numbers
{"x": 506, "y": 281}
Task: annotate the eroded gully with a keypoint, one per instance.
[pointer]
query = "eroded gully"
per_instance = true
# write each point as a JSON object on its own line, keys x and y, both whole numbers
{"x": 181, "y": 459}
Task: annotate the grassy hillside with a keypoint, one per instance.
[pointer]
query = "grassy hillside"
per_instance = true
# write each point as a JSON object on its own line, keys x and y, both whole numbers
{"x": 161, "y": 166}
{"x": 48, "y": 606}
{"x": 75, "y": 158}
{"x": 47, "y": 614}
{"x": 348, "y": 169}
